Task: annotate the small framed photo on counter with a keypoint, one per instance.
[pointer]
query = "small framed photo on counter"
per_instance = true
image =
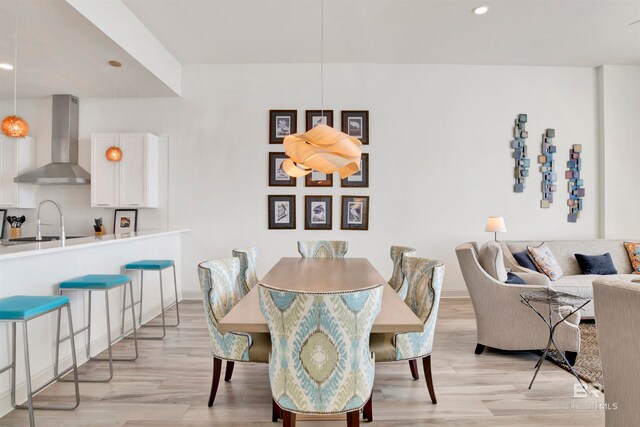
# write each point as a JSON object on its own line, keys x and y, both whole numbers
{"x": 355, "y": 212}
{"x": 361, "y": 178}
{"x": 318, "y": 213}
{"x": 125, "y": 221}
{"x": 3, "y": 218}
{"x": 282, "y": 212}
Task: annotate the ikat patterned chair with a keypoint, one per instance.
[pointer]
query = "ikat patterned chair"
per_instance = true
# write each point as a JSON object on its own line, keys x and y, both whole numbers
{"x": 398, "y": 282}
{"x": 323, "y": 248}
{"x": 247, "y": 278}
{"x": 219, "y": 284}
{"x": 320, "y": 361}
{"x": 424, "y": 284}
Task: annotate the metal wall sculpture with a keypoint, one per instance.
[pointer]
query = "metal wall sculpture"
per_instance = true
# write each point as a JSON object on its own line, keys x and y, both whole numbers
{"x": 519, "y": 145}
{"x": 575, "y": 183}
{"x": 547, "y": 167}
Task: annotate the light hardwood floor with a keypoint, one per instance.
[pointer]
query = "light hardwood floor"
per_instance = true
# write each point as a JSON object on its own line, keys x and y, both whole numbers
{"x": 169, "y": 386}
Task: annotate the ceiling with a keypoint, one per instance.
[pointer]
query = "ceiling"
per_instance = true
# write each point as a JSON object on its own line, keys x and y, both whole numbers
{"x": 514, "y": 32}
{"x": 62, "y": 52}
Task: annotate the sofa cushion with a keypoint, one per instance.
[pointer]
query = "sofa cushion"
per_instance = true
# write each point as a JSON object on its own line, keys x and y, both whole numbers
{"x": 524, "y": 259}
{"x": 492, "y": 261}
{"x": 514, "y": 279}
{"x": 545, "y": 261}
{"x": 633, "y": 249}
{"x": 596, "y": 264}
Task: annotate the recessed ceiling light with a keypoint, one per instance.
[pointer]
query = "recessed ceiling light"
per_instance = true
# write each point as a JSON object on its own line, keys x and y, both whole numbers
{"x": 481, "y": 10}
{"x": 6, "y": 66}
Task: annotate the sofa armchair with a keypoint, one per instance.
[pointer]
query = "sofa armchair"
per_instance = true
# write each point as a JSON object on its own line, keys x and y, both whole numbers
{"x": 503, "y": 322}
{"x": 616, "y": 306}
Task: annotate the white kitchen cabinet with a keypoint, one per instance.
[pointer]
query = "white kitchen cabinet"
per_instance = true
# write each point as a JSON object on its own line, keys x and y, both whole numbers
{"x": 133, "y": 182}
{"x": 17, "y": 156}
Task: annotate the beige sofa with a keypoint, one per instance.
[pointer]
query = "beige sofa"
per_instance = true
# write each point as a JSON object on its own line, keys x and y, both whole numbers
{"x": 616, "y": 307}
{"x": 573, "y": 281}
{"x": 503, "y": 322}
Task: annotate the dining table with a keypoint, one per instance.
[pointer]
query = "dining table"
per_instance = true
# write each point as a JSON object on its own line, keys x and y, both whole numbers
{"x": 323, "y": 275}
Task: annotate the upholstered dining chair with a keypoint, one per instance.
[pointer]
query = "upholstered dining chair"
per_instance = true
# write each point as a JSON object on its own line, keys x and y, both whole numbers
{"x": 398, "y": 281}
{"x": 247, "y": 277}
{"x": 424, "y": 284}
{"x": 219, "y": 284}
{"x": 323, "y": 248}
{"x": 320, "y": 360}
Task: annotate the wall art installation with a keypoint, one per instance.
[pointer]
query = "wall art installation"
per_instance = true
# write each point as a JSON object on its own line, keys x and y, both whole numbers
{"x": 547, "y": 167}
{"x": 519, "y": 145}
{"x": 576, "y": 184}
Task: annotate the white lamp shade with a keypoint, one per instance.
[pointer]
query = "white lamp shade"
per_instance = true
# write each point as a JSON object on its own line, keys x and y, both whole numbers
{"x": 495, "y": 224}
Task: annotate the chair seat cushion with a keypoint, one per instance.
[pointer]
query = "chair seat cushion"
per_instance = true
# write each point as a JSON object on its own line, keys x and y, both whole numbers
{"x": 382, "y": 346}
{"x": 260, "y": 348}
{"x": 149, "y": 264}
{"x": 96, "y": 281}
{"x": 26, "y": 307}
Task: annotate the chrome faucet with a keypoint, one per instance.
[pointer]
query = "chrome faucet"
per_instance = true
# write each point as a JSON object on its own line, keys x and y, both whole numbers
{"x": 39, "y": 226}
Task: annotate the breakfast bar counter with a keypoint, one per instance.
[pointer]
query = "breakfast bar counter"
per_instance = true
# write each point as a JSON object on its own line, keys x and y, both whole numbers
{"x": 38, "y": 268}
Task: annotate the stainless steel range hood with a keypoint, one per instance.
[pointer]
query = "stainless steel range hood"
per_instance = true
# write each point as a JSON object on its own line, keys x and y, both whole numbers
{"x": 63, "y": 168}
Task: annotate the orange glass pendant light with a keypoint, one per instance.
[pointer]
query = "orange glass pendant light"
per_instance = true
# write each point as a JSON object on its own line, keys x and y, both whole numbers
{"x": 15, "y": 126}
{"x": 114, "y": 154}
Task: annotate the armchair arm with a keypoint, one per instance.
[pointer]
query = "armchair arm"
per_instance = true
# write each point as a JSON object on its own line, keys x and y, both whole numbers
{"x": 537, "y": 279}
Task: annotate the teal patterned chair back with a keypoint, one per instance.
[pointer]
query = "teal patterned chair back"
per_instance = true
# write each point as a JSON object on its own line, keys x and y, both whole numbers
{"x": 247, "y": 278}
{"x": 220, "y": 292}
{"x": 320, "y": 360}
{"x": 424, "y": 285}
{"x": 323, "y": 248}
{"x": 398, "y": 282}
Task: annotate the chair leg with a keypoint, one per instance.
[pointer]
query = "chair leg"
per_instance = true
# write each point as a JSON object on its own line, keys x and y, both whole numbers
{"x": 426, "y": 365}
{"x": 27, "y": 368}
{"x": 217, "y": 367}
{"x": 353, "y": 419}
{"x": 175, "y": 289}
{"x": 367, "y": 411}
{"x": 229, "y": 371}
{"x": 479, "y": 348}
{"x": 571, "y": 357}
{"x": 288, "y": 419}
{"x": 413, "y": 365}
{"x": 276, "y": 412}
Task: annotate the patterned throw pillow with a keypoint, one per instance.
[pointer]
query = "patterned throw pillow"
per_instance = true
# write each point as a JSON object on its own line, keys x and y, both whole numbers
{"x": 545, "y": 261}
{"x": 634, "y": 255}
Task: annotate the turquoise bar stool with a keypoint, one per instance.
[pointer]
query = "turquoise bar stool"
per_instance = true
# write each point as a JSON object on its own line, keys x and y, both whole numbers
{"x": 101, "y": 283}
{"x": 21, "y": 309}
{"x": 158, "y": 265}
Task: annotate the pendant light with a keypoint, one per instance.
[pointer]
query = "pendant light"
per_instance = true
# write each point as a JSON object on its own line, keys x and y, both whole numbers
{"x": 114, "y": 154}
{"x": 15, "y": 126}
{"x": 323, "y": 148}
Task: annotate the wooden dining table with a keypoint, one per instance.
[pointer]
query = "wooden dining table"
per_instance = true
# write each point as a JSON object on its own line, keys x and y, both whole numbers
{"x": 323, "y": 275}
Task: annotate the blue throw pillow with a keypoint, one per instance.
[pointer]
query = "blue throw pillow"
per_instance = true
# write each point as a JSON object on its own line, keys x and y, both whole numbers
{"x": 596, "y": 264}
{"x": 524, "y": 260}
{"x": 514, "y": 279}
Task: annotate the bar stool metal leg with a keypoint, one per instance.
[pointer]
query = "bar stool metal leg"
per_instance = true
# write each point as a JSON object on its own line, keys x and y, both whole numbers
{"x": 27, "y": 369}
{"x": 175, "y": 290}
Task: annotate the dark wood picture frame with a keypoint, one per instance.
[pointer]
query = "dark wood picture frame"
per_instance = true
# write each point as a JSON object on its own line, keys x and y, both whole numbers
{"x": 364, "y": 174}
{"x": 310, "y": 114}
{"x": 275, "y": 172}
{"x": 309, "y": 218}
{"x": 276, "y": 135}
{"x": 346, "y": 217}
{"x": 271, "y": 207}
{"x": 362, "y": 118}
{"x": 310, "y": 182}
{"x": 3, "y": 218}
{"x": 118, "y": 230}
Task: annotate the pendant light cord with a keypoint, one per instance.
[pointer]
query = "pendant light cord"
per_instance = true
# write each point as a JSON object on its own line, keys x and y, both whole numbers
{"x": 15, "y": 64}
{"x": 322, "y": 58}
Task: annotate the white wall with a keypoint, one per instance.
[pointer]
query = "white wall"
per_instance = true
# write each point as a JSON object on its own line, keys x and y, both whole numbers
{"x": 620, "y": 135}
{"x": 440, "y": 161}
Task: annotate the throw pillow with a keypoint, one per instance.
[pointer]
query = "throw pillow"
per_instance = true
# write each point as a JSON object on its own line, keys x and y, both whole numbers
{"x": 596, "y": 264}
{"x": 634, "y": 255}
{"x": 514, "y": 279}
{"x": 492, "y": 261}
{"x": 524, "y": 259}
{"x": 546, "y": 262}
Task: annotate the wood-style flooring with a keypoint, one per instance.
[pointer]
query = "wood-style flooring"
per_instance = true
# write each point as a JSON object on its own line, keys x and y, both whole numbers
{"x": 169, "y": 385}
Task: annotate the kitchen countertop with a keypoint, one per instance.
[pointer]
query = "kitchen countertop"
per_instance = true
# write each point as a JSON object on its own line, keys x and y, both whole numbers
{"x": 41, "y": 248}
